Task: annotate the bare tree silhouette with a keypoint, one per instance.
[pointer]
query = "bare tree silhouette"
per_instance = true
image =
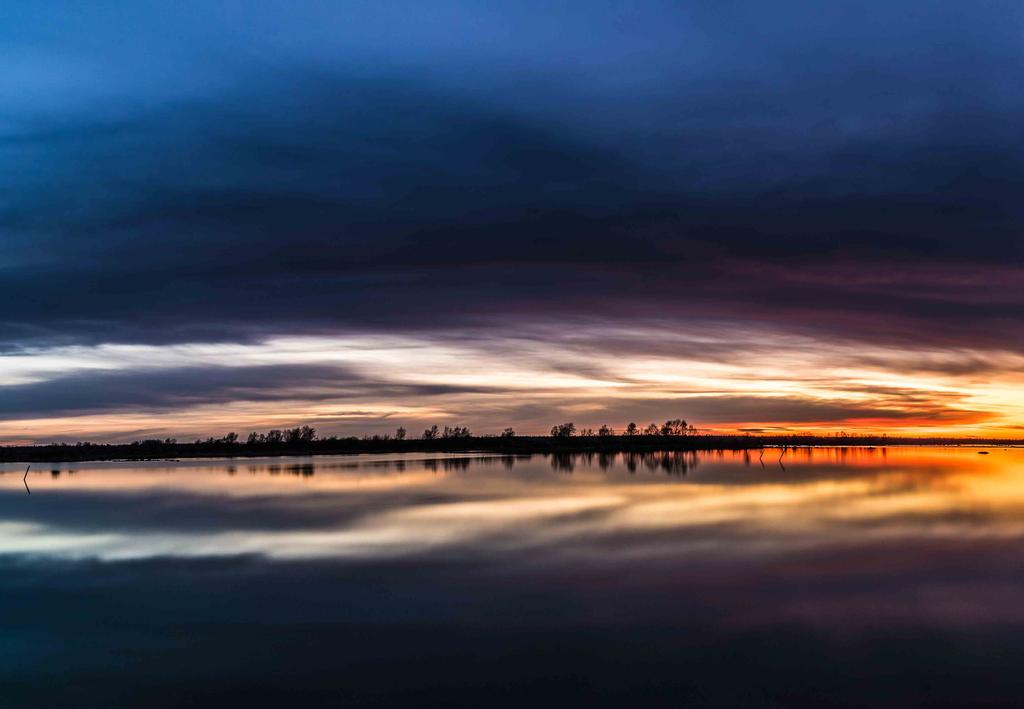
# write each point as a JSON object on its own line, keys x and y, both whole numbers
{"x": 563, "y": 430}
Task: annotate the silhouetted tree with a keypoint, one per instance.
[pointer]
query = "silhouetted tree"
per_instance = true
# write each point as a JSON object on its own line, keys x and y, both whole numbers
{"x": 606, "y": 430}
{"x": 587, "y": 432}
{"x": 400, "y": 434}
{"x": 631, "y": 429}
{"x": 563, "y": 430}
{"x": 674, "y": 427}
{"x": 652, "y": 430}
{"x": 230, "y": 439}
{"x": 303, "y": 434}
{"x": 431, "y": 433}
{"x": 455, "y": 432}
{"x": 508, "y": 433}
{"x": 255, "y": 439}
{"x": 275, "y": 437}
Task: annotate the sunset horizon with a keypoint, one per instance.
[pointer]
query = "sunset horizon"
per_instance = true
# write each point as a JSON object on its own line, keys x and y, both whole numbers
{"x": 369, "y": 384}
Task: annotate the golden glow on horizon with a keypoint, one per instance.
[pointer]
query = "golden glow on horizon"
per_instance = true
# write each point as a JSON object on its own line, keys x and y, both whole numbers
{"x": 595, "y": 375}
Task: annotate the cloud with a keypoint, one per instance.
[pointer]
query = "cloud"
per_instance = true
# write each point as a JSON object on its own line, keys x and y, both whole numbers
{"x": 311, "y": 188}
{"x": 828, "y": 174}
{"x": 185, "y": 387}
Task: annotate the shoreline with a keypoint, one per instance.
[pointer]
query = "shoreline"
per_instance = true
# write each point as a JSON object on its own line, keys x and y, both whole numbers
{"x": 520, "y": 445}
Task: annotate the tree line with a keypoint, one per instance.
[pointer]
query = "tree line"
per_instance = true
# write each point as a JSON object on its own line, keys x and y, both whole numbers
{"x": 672, "y": 427}
{"x": 671, "y": 436}
{"x": 307, "y": 434}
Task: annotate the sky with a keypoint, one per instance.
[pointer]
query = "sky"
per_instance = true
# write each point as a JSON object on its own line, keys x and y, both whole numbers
{"x": 762, "y": 217}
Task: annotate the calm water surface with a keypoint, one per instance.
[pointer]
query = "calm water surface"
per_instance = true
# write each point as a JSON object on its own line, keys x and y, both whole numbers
{"x": 853, "y": 577}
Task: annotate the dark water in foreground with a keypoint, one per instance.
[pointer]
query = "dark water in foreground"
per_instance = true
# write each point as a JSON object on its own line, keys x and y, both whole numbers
{"x": 888, "y": 577}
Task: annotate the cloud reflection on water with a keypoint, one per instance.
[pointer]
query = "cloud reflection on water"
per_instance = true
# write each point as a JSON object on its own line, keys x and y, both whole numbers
{"x": 332, "y": 508}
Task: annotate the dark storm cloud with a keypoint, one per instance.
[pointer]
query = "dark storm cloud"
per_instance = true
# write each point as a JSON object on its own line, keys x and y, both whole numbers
{"x": 893, "y": 407}
{"x": 845, "y": 170}
{"x": 154, "y": 390}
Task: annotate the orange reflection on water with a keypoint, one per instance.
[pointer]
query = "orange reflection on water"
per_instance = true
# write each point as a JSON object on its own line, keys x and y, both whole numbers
{"x": 728, "y": 503}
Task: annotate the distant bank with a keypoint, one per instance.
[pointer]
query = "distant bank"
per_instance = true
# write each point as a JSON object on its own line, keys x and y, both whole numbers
{"x": 518, "y": 445}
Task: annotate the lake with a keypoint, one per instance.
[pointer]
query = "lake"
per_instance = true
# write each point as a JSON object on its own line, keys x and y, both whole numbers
{"x": 847, "y": 577}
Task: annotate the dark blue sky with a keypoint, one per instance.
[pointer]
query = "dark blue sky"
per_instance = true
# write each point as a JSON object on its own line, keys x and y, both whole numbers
{"x": 228, "y": 172}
